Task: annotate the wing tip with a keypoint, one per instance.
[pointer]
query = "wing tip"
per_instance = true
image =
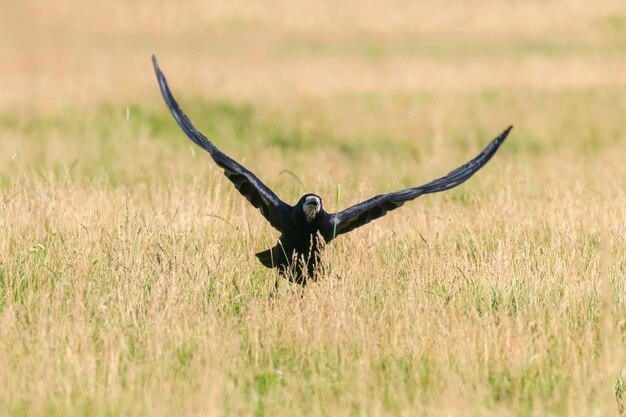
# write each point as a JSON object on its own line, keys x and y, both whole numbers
{"x": 505, "y": 133}
{"x": 165, "y": 89}
{"x": 155, "y": 63}
{"x": 495, "y": 144}
{"x": 157, "y": 68}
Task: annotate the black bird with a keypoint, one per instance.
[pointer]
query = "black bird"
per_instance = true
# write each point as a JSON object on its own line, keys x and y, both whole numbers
{"x": 306, "y": 227}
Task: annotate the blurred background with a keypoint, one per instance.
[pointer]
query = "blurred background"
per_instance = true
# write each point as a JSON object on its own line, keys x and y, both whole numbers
{"x": 75, "y": 53}
{"x": 332, "y": 78}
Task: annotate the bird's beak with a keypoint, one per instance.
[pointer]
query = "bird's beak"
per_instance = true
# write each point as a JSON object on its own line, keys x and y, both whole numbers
{"x": 311, "y": 208}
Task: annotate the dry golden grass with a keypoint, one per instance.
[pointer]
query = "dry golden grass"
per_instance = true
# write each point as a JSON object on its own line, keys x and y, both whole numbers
{"x": 128, "y": 284}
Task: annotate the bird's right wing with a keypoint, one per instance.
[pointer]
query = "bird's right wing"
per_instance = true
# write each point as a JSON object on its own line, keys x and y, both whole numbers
{"x": 363, "y": 213}
{"x": 257, "y": 193}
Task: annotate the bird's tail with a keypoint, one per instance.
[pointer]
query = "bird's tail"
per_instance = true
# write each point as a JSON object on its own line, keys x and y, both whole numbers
{"x": 272, "y": 257}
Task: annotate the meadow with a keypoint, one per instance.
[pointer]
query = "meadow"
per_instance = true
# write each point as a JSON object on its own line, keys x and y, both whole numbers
{"x": 128, "y": 282}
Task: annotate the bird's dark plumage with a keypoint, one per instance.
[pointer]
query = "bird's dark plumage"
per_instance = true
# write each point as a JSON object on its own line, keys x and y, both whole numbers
{"x": 257, "y": 193}
{"x": 305, "y": 227}
{"x": 363, "y": 213}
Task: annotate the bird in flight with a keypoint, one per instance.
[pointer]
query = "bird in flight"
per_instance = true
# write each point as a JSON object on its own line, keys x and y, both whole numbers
{"x": 306, "y": 227}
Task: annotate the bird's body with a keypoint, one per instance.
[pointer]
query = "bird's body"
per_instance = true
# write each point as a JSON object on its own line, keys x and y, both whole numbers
{"x": 306, "y": 227}
{"x": 297, "y": 254}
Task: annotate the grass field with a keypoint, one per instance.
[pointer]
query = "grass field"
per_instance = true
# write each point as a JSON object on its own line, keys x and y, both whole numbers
{"x": 128, "y": 282}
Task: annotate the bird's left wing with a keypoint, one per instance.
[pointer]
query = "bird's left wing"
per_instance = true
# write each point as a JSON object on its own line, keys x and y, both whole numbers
{"x": 257, "y": 193}
{"x": 363, "y": 213}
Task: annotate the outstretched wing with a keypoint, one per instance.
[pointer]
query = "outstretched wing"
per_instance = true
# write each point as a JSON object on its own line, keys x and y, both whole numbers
{"x": 257, "y": 193}
{"x": 363, "y": 213}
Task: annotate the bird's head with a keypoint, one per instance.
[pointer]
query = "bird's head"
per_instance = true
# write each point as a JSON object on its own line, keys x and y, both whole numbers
{"x": 311, "y": 205}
